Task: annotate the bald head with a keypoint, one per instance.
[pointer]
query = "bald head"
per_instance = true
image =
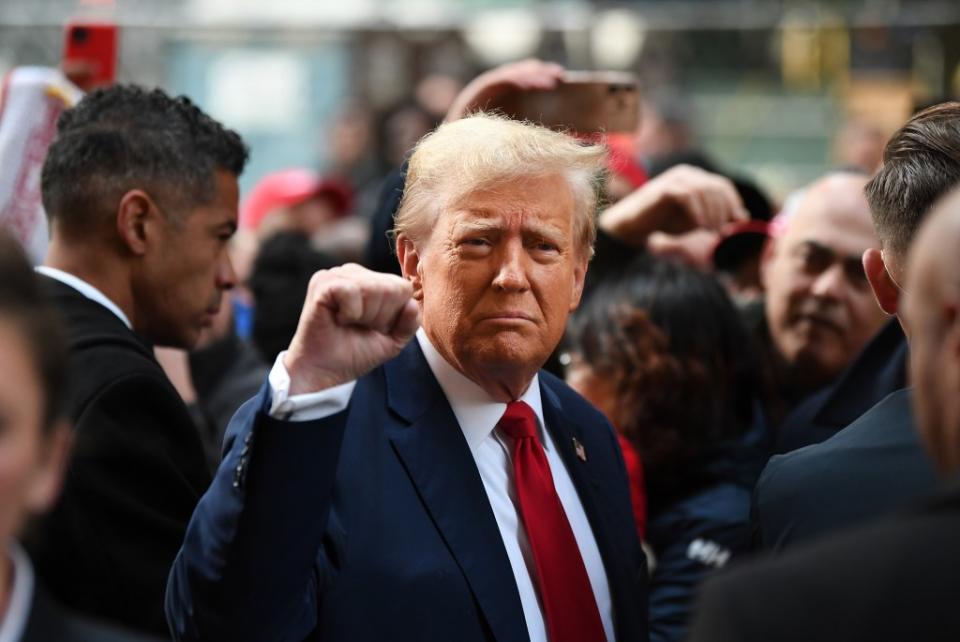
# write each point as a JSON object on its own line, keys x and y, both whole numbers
{"x": 837, "y": 199}
{"x": 931, "y": 311}
{"x": 818, "y": 303}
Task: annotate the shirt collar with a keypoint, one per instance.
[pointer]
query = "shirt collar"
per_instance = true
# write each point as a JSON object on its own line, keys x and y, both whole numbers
{"x": 85, "y": 289}
{"x": 21, "y": 595}
{"x": 476, "y": 411}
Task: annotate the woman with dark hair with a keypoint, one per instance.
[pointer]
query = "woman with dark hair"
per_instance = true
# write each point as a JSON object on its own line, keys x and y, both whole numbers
{"x": 663, "y": 353}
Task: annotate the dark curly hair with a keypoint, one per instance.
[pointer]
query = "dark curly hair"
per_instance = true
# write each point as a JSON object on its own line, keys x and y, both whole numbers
{"x": 680, "y": 359}
{"x": 125, "y": 137}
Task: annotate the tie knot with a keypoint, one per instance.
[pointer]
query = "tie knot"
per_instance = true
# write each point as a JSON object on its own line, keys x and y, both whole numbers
{"x": 519, "y": 421}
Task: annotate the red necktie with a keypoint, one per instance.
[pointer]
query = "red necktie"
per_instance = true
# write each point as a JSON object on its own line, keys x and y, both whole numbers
{"x": 570, "y": 608}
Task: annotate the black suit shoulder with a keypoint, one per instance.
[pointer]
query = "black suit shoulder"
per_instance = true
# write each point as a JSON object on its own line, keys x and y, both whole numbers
{"x": 102, "y": 349}
{"x": 873, "y": 466}
{"x": 894, "y": 580}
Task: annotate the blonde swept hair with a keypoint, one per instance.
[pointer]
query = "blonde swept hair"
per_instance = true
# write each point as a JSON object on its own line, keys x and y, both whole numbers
{"x": 482, "y": 150}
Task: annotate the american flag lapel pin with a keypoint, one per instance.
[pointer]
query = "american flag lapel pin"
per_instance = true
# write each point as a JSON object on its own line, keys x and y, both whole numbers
{"x": 579, "y": 449}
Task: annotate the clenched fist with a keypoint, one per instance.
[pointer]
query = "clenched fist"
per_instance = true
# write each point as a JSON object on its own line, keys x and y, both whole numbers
{"x": 352, "y": 321}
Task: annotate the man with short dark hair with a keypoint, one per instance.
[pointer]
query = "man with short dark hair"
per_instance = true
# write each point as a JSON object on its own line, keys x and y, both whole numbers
{"x": 875, "y": 464}
{"x": 141, "y": 192}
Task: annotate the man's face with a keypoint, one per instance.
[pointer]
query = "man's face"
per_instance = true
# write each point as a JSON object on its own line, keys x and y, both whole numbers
{"x": 819, "y": 306}
{"x": 499, "y": 275}
{"x": 187, "y": 270}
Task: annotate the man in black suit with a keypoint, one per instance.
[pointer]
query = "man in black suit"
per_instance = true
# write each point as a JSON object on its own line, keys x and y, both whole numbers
{"x": 876, "y": 464}
{"x": 895, "y": 580}
{"x": 141, "y": 192}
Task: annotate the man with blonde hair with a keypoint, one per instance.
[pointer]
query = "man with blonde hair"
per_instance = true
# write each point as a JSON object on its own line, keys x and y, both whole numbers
{"x": 444, "y": 488}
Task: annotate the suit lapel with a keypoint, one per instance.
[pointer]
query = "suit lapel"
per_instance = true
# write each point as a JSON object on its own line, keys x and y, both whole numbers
{"x": 435, "y": 455}
{"x": 587, "y": 482}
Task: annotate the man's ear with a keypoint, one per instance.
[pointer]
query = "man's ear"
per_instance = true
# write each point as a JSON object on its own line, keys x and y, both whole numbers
{"x": 409, "y": 258}
{"x": 884, "y": 288}
{"x": 135, "y": 214}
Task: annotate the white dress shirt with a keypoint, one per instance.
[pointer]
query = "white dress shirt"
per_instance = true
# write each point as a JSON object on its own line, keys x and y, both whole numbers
{"x": 478, "y": 415}
{"x": 14, "y": 621}
{"x": 85, "y": 289}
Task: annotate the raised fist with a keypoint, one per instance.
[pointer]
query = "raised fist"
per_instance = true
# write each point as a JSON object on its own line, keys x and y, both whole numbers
{"x": 352, "y": 321}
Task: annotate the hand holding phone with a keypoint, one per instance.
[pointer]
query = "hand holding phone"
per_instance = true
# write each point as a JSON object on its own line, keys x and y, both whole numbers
{"x": 582, "y": 101}
{"x": 545, "y": 93}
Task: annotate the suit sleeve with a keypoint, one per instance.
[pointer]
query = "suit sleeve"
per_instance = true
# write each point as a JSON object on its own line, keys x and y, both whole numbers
{"x": 247, "y": 568}
{"x": 776, "y": 499}
{"x": 136, "y": 472}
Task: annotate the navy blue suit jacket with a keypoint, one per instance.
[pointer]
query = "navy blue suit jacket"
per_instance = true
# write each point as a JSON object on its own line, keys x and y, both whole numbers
{"x": 373, "y": 524}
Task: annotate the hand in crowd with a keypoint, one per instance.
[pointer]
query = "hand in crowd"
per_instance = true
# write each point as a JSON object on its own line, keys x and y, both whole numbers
{"x": 695, "y": 248}
{"x": 682, "y": 199}
{"x": 352, "y": 321}
{"x": 526, "y": 74}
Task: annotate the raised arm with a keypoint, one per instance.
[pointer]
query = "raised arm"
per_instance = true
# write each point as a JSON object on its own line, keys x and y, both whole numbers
{"x": 247, "y": 568}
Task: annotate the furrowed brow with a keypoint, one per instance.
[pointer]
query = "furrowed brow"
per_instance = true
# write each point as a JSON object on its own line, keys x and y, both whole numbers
{"x": 546, "y": 230}
{"x": 471, "y": 225}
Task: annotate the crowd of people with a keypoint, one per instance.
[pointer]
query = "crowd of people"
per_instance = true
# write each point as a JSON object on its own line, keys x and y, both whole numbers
{"x": 552, "y": 388}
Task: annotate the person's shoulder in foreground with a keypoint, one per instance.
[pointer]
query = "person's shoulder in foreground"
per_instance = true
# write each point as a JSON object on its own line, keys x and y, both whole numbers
{"x": 873, "y": 466}
{"x": 894, "y": 580}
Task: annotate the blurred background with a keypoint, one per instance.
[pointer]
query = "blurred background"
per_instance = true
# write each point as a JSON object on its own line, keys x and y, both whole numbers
{"x": 779, "y": 90}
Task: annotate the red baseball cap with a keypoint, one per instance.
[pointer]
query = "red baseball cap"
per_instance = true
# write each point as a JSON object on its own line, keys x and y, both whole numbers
{"x": 289, "y": 187}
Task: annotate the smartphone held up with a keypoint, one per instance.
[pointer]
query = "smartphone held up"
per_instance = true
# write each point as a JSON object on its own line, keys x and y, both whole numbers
{"x": 584, "y": 102}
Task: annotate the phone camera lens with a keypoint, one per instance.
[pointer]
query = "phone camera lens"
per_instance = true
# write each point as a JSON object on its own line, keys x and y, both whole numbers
{"x": 79, "y": 34}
